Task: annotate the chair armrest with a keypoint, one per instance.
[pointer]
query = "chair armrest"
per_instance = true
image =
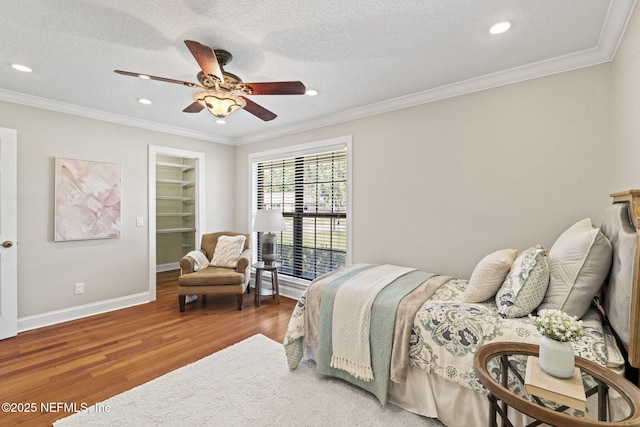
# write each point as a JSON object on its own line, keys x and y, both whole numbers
{"x": 187, "y": 264}
{"x": 244, "y": 262}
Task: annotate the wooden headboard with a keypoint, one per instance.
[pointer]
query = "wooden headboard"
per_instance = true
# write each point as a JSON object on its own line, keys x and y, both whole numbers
{"x": 621, "y": 293}
{"x": 632, "y": 198}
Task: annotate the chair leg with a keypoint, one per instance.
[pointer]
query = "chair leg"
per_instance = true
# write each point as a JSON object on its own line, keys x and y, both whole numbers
{"x": 181, "y": 302}
{"x": 240, "y": 299}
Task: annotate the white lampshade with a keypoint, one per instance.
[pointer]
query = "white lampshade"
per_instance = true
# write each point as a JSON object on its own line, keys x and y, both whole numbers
{"x": 269, "y": 220}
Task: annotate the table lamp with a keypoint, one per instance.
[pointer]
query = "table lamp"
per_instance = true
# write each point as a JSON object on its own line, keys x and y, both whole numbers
{"x": 268, "y": 220}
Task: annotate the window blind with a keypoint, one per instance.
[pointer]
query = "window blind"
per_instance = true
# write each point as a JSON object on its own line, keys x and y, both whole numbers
{"x": 311, "y": 192}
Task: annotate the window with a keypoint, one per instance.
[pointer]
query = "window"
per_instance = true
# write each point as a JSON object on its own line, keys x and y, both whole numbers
{"x": 310, "y": 185}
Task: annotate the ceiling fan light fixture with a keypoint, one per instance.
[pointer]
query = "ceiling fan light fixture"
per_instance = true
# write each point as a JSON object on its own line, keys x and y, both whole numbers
{"x": 311, "y": 92}
{"x": 219, "y": 103}
{"x": 222, "y": 93}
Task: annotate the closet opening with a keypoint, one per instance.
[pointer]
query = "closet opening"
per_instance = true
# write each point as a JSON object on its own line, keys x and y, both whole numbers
{"x": 176, "y": 208}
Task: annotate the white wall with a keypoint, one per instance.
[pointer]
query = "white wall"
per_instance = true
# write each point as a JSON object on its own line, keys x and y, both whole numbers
{"x": 110, "y": 269}
{"x": 626, "y": 108}
{"x": 440, "y": 185}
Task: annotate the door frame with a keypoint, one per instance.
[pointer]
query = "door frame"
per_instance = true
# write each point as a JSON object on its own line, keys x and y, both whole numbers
{"x": 154, "y": 151}
{"x": 9, "y": 232}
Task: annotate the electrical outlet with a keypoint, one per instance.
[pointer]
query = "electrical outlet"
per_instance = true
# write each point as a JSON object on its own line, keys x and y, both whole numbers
{"x": 79, "y": 288}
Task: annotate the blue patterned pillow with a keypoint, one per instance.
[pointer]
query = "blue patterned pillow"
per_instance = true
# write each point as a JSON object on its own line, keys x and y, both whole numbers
{"x": 526, "y": 284}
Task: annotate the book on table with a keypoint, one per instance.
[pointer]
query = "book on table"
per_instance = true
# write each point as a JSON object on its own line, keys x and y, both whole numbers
{"x": 564, "y": 391}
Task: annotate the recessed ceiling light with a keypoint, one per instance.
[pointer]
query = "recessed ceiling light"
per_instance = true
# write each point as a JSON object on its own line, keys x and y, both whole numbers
{"x": 311, "y": 92}
{"x": 500, "y": 27}
{"x": 21, "y": 68}
{"x": 144, "y": 101}
{"x": 221, "y": 122}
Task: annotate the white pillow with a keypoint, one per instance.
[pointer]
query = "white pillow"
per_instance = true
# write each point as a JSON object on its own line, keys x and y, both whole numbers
{"x": 488, "y": 275}
{"x": 228, "y": 250}
{"x": 579, "y": 262}
{"x": 525, "y": 285}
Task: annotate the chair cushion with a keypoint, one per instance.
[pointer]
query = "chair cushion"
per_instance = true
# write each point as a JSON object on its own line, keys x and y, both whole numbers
{"x": 211, "y": 276}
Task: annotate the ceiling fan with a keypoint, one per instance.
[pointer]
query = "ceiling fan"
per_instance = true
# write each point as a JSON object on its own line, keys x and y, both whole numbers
{"x": 222, "y": 92}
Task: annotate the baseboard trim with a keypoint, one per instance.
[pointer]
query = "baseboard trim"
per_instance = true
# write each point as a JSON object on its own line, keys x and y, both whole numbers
{"x": 167, "y": 267}
{"x": 36, "y": 321}
{"x": 291, "y": 291}
{"x": 290, "y": 288}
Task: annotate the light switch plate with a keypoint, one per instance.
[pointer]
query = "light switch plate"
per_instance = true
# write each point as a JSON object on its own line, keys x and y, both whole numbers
{"x": 139, "y": 221}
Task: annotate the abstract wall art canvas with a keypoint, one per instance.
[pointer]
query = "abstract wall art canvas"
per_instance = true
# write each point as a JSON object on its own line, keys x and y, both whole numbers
{"x": 87, "y": 200}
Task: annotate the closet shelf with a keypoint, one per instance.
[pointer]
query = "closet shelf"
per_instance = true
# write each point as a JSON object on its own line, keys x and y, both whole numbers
{"x": 175, "y": 230}
{"x": 184, "y": 214}
{"x": 176, "y": 216}
{"x": 175, "y": 181}
{"x": 175, "y": 165}
{"x": 180, "y": 198}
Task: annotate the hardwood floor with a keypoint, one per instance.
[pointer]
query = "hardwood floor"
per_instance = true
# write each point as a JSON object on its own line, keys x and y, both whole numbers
{"x": 89, "y": 360}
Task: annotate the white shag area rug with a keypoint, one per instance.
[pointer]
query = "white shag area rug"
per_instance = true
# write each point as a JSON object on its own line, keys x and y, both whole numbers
{"x": 245, "y": 384}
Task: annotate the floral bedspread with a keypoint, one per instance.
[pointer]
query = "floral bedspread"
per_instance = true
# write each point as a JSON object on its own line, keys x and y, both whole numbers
{"x": 446, "y": 333}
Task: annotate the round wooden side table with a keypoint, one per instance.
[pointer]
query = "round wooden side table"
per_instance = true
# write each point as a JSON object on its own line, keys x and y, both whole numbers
{"x": 499, "y": 389}
{"x": 275, "y": 290}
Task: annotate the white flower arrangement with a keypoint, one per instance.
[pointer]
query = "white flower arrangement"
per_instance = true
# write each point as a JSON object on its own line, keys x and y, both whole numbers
{"x": 558, "y": 325}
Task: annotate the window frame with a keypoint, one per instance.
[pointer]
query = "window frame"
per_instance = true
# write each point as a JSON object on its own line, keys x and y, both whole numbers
{"x": 323, "y": 146}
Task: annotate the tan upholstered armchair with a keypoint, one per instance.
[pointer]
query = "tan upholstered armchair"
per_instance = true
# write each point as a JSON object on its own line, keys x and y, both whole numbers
{"x": 214, "y": 280}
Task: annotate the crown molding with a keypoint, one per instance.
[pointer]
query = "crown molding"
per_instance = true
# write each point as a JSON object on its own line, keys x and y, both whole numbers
{"x": 531, "y": 71}
{"x": 488, "y": 81}
{"x": 48, "y": 104}
{"x": 616, "y": 21}
{"x": 615, "y": 24}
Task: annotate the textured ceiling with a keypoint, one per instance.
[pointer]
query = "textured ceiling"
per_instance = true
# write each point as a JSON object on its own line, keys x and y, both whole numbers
{"x": 363, "y": 56}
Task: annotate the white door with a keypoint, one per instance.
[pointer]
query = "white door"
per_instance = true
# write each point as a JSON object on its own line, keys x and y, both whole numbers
{"x": 8, "y": 234}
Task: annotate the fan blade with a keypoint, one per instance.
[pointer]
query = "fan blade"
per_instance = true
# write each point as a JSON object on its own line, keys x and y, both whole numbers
{"x": 162, "y": 79}
{"x": 206, "y": 58}
{"x": 193, "y": 108}
{"x": 258, "y": 110}
{"x": 276, "y": 88}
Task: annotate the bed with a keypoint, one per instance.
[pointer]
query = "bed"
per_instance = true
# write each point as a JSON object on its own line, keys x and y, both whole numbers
{"x": 413, "y": 342}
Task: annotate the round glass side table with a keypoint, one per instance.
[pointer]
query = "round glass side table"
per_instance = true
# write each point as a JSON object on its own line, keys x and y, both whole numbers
{"x": 499, "y": 367}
